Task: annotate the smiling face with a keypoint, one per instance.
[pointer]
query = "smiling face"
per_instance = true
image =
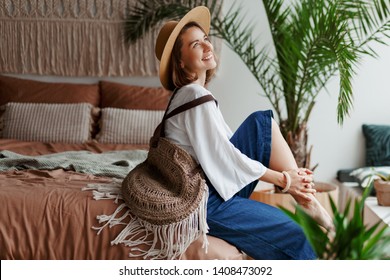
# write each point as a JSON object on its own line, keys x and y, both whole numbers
{"x": 197, "y": 52}
{"x": 193, "y": 59}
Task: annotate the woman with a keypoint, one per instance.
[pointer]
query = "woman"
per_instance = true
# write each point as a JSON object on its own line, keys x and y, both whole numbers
{"x": 233, "y": 163}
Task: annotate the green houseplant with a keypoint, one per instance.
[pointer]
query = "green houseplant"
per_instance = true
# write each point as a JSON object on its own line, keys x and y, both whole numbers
{"x": 312, "y": 41}
{"x": 351, "y": 239}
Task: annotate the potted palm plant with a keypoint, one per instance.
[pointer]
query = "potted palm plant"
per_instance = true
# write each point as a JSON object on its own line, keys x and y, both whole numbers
{"x": 312, "y": 41}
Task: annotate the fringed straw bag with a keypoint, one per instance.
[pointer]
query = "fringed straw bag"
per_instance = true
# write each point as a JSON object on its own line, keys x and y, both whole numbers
{"x": 167, "y": 194}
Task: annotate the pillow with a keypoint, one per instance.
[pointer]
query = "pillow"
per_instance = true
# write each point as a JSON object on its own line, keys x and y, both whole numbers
{"x": 365, "y": 175}
{"x": 377, "y": 144}
{"x": 121, "y": 126}
{"x": 22, "y": 90}
{"x": 122, "y": 96}
{"x": 67, "y": 123}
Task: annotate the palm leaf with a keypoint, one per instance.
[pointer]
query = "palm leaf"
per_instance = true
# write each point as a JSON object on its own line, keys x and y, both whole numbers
{"x": 316, "y": 235}
{"x": 145, "y": 15}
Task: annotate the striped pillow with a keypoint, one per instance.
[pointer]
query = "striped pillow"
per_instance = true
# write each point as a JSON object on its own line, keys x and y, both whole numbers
{"x": 126, "y": 126}
{"x": 67, "y": 123}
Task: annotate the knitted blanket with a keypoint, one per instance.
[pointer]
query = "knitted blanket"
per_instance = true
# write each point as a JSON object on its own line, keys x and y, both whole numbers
{"x": 115, "y": 164}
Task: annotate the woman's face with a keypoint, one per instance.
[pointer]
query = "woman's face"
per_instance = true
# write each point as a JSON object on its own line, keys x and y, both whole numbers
{"x": 197, "y": 52}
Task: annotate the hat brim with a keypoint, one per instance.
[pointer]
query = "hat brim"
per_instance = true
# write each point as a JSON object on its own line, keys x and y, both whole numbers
{"x": 200, "y": 15}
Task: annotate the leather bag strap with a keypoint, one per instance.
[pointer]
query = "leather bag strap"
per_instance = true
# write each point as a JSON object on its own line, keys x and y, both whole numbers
{"x": 189, "y": 105}
{"x": 160, "y": 130}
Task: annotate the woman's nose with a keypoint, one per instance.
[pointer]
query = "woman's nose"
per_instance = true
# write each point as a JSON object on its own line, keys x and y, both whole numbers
{"x": 207, "y": 46}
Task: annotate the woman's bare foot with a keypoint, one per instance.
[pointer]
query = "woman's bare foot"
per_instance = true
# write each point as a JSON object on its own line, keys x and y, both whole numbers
{"x": 316, "y": 211}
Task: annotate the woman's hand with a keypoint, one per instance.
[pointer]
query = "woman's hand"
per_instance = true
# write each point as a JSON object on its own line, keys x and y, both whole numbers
{"x": 301, "y": 183}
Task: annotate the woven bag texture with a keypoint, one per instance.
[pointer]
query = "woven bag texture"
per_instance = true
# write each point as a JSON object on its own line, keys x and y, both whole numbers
{"x": 167, "y": 187}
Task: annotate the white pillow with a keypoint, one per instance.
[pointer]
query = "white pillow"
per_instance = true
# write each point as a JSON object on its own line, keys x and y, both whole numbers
{"x": 365, "y": 175}
{"x": 67, "y": 123}
{"x": 126, "y": 126}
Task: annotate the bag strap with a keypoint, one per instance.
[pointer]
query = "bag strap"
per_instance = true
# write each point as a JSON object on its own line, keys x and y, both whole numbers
{"x": 189, "y": 105}
{"x": 160, "y": 130}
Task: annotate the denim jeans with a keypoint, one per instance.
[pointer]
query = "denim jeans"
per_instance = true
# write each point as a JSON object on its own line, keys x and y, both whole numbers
{"x": 260, "y": 230}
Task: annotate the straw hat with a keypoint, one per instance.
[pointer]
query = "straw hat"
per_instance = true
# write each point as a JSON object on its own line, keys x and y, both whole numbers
{"x": 167, "y": 38}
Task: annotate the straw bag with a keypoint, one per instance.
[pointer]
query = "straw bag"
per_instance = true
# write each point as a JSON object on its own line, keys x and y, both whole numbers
{"x": 167, "y": 193}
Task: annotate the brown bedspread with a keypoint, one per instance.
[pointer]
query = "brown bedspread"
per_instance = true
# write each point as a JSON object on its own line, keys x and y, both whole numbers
{"x": 39, "y": 148}
{"x": 45, "y": 214}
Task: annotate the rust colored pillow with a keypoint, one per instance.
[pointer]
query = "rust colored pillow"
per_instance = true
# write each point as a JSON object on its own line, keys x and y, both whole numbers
{"x": 23, "y": 90}
{"x": 123, "y": 96}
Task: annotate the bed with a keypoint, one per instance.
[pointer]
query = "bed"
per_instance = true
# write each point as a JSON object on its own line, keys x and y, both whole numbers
{"x": 56, "y": 139}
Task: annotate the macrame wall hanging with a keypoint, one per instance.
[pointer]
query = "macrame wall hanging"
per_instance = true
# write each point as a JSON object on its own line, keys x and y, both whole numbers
{"x": 72, "y": 38}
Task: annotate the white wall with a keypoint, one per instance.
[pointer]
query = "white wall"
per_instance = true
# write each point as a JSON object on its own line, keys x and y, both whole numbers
{"x": 335, "y": 147}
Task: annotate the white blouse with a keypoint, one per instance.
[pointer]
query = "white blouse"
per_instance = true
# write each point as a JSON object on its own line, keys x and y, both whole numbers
{"x": 203, "y": 133}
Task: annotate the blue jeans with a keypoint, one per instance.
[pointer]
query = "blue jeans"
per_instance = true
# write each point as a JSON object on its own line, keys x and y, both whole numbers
{"x": 260, "y": 230}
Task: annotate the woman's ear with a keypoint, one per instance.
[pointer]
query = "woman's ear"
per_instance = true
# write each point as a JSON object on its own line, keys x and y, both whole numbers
{"x": 181, "y": 64}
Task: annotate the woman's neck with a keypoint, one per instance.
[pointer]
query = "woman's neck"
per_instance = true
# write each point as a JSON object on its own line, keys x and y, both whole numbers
{"x": 201, "y": 79}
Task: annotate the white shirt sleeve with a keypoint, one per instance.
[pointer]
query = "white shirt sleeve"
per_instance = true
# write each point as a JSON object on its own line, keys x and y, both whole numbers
{"x": 227, "y": 168}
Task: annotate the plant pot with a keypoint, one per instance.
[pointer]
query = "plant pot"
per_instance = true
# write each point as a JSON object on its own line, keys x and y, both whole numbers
{"x": 287, "y": 201}
{"x": 382, "y": 189}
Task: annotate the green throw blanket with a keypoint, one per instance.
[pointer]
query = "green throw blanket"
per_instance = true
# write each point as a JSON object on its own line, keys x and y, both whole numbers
{"x": 112, "y": 164}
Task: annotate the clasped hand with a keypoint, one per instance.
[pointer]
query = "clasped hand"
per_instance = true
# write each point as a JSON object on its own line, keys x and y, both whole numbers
{"x": 302, "y": 183}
